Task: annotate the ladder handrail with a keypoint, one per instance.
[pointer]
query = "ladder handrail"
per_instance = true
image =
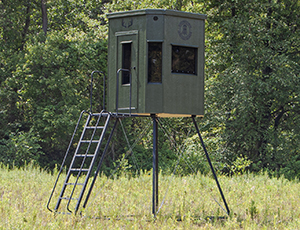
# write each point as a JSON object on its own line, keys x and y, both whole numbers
{"x": 91, "y": 88}
{"x": 117, "y": 89}
{"x": 64, "y": 160}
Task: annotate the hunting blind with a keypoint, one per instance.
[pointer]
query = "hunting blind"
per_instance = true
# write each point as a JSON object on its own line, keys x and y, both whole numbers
{"x": 163, "y": 51}
{"x": 155, "y": 68}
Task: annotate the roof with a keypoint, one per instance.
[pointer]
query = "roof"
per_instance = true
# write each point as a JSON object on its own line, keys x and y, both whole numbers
{"x": 175, "y": 13}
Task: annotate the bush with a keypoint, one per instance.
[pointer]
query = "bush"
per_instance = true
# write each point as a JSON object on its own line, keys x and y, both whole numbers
{"x": 21, "y": 147}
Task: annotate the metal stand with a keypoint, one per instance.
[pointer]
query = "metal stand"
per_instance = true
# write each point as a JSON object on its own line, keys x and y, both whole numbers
{"x": 155, "y": 163}
{"x": 155, "y": 166}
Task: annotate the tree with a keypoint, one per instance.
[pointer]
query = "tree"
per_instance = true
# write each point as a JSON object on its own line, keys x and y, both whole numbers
{"x": 253, "y": 65}
{"x": 46, "y": 71}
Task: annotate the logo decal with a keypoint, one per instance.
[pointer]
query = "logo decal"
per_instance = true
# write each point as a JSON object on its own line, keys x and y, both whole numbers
{"x": 127, "y": 23}
{"x": 184, "y": 30}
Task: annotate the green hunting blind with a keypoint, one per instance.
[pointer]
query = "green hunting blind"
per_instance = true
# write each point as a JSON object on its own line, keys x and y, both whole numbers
{"x": 161, "y": 52}
{"x": 155, "y": 68}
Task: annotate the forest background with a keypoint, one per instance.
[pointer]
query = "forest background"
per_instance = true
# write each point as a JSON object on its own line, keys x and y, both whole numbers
{"x": 48, "y": 49}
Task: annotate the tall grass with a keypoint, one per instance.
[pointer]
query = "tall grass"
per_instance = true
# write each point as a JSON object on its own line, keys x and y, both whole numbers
{"x": 255, "y": 201}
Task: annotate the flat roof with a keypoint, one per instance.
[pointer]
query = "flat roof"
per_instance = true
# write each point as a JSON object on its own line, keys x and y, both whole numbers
{"x": 175, "y": 13}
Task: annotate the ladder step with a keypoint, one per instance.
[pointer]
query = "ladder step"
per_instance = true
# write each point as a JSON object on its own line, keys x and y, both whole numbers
{"x": 94, "y": 127}
{"x": 68, "y": 198}
{"x": 77, "y": 169}
{"x": 88, "y": 141}
{"x": 74, "y": 183}
{"x": 84, "y": 155}
{"x": 99, "y": 114}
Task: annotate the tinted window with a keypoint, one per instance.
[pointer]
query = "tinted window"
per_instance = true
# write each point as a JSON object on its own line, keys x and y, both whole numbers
{"x": 126, "y": 62}
{"x": 184, "y": 60}
{"x": 154, "y": 62}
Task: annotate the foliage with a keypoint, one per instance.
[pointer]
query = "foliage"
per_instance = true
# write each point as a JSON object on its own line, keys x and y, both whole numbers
{"x": 23, "y": 147}
{"x": 252, "y": 85}
{"x": 45, "y": 85}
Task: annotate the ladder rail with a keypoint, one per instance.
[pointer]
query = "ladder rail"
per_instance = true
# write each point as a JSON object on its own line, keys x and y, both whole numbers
{"x": 80, "y": 170}
{"x": 91, "y": 164}
{"x": 69, "y": 171}
{"x": 64, "y": 160}
{"x": 100, "y": 164}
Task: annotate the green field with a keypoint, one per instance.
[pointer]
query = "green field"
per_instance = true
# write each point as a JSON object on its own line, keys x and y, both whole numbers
{"x": 256, "y": 202}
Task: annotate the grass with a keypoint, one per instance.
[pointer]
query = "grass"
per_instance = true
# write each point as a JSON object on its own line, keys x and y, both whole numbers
{"x": 255, "y": 201}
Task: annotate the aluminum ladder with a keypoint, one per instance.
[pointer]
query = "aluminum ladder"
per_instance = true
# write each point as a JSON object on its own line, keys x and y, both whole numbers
{"x": 83, "y": 162}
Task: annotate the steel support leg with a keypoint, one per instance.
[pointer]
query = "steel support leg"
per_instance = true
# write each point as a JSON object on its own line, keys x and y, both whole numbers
{"x": 155, "y": 166}
{"x": 211, "y": 166}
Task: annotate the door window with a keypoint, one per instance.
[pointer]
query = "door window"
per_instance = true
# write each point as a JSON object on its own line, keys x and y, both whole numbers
{"x": 126, "y": 62}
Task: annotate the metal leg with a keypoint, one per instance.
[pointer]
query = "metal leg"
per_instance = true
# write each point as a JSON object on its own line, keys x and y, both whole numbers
{"x": 155, "y": 166}
{"x": 211, "y": 166}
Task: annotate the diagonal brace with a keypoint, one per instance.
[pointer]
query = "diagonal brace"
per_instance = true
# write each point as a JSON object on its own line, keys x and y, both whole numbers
{"x": 211, "y": 166}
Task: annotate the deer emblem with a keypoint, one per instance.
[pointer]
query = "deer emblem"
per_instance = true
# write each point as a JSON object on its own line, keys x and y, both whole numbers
{"x": 127, "y": 23}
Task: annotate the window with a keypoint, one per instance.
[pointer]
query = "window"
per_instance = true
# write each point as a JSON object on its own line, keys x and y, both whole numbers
{"x": 154, "y": 62}
{"x": 184, "y": 60}
{"x": 126, "y": 62}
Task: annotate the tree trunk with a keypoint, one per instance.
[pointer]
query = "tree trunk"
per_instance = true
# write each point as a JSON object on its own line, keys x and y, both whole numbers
{"x": 26, "y": 27}
{"x": 44, "y": 16}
